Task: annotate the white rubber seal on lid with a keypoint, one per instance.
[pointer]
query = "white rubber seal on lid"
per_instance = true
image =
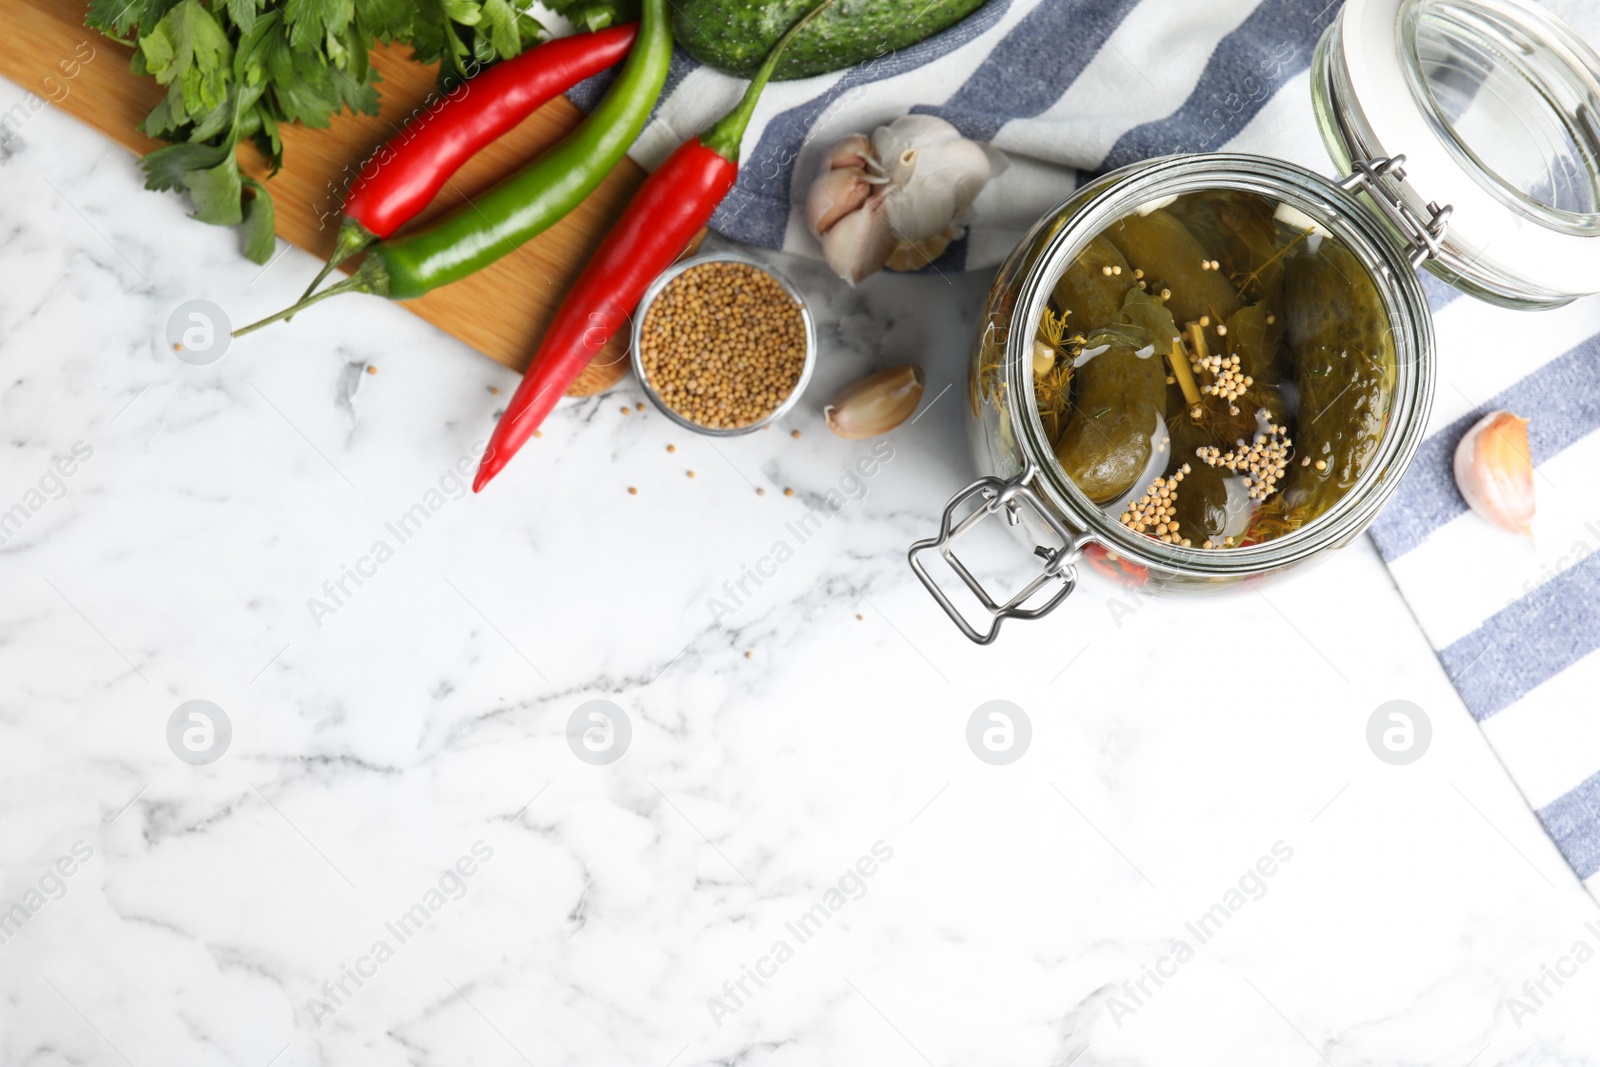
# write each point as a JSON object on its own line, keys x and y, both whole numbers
{"x": 1489, "y": 239}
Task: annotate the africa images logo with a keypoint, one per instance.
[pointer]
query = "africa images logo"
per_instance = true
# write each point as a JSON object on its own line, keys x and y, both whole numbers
{"x": 449, "y": 887}
{"x": 851, "y": 885}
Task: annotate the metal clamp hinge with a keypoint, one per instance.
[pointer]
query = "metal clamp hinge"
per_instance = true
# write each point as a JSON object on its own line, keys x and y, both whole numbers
{"x": 1424, "y": 237}
{"x": 1007, "y": 497}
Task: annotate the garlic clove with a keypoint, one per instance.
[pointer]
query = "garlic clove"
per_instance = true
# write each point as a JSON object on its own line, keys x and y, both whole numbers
{"x": 1044, "y": 358}
{"x": 1494, "y": 471}
{"x": 877, "y": 403}
{"x": 853, "y": 151}
{"x": 914, "y": 255}
{"x": 857, "y": 244}
{"x": 834, "y": 195}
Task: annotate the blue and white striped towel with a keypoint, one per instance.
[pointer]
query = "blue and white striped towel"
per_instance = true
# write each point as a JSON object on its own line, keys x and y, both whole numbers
{"x": 1075, "y": 87}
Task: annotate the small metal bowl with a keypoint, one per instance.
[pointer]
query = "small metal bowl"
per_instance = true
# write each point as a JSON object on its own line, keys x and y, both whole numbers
{"x": 661, "y": 283}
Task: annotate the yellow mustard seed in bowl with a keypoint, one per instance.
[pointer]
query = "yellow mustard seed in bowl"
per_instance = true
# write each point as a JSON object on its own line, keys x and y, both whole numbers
{"x": 723, "y": 345}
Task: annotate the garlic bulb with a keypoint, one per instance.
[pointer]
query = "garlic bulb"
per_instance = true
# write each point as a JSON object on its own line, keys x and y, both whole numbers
{"x": 897, "y": 198}
{"x": 1494, "y": 471}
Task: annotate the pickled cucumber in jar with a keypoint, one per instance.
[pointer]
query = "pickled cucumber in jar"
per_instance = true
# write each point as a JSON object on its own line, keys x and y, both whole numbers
{"x": 1225, "y": 378}
{"x": 1242, "y": 234}
{"x": 1094, "y": 283}
{"x": 1344, "y": 366}
{"x": 1172, "y": 262}
{"x": 1118, "y": 413}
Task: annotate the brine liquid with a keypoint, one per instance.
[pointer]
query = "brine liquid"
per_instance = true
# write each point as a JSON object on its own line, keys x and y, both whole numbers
{"x": 1214, "y": 370}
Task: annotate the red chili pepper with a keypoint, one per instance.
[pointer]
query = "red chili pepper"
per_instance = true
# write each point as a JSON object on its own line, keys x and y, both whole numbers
{"x": 402, "y": 177}
{"x": 667, "y": 211}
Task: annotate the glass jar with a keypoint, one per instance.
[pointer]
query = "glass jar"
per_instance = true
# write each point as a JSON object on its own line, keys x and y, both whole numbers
{"x": 1487, "y": 107}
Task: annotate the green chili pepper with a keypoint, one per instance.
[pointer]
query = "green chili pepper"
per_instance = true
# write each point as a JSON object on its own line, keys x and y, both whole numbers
{"x": 531, "y": 200}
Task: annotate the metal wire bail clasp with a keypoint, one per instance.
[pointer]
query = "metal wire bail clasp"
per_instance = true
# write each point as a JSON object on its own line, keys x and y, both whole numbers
{"x": 1424, "y": 236}
{"x": 999, "y": 495}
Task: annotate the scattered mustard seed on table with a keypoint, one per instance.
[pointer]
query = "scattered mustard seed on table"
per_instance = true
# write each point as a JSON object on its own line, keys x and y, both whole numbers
{"x": 723, "y": 345}
{"x": 788, "y": 492}
{"x": 632, "y": 491}
{"x": 371, "y": 369}
{"x": 672, "y": 448}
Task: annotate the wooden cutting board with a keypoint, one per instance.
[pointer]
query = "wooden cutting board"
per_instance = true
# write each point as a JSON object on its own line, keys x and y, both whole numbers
{"x": 500, "y": 311}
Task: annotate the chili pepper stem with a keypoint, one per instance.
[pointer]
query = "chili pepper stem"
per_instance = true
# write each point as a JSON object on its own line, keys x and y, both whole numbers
{"x": 725, "y": 136}
{"x": 352, "y": 238}
{"x": 359, "y": 282}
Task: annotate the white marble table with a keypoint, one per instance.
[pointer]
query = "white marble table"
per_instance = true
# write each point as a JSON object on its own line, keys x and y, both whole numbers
{"x": 233, "y": 912}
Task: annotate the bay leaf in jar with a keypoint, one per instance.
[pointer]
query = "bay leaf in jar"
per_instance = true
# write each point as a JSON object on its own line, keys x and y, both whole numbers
{"x": 1254, "y": 335}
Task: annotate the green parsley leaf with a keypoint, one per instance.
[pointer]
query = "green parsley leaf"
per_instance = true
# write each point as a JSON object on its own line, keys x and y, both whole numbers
{"x": 189, "y": 48}
{"x": 236, "y": 70}
{"x": 217, "y": 193}
{"x": 501, "y": 22}
{"x": 595, "y": 14}
{"x": 243, "y": 14}
{"x": 466, "y": 12}
{"x": 259, "y": 240}
{"x": 165, "y": 168}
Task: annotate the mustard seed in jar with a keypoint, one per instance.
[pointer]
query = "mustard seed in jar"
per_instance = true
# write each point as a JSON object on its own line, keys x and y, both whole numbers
{"x": 723, "y": 345}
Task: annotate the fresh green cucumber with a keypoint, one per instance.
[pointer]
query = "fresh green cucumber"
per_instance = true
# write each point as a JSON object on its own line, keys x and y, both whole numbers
{"x": 735, "y": 35}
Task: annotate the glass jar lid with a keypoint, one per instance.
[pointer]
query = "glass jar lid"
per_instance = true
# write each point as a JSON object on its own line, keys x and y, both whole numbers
{"x": 1495, "y": 106}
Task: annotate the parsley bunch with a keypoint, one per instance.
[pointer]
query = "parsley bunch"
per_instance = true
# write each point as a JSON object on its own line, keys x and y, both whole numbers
{"x": 236, "y": 70}
{"x": 595, "y": 14}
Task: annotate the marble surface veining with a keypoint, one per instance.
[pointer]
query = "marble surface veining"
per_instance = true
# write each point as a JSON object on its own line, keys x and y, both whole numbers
{"x": 798, "y": 860}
